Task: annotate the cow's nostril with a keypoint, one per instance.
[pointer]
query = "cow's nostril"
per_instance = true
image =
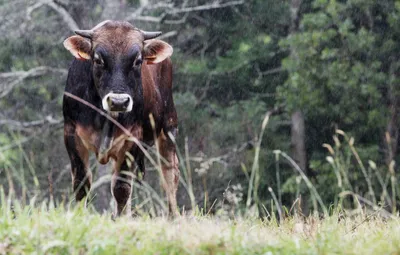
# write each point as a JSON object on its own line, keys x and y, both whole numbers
{"x": 126, "y": 103}
{"x": 109, "y": 101}
{"x": 118, "y": 102}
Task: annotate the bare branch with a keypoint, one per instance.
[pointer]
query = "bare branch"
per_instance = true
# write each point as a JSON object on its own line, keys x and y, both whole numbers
{"x": 267, "y": 72}
{"x": 179, "y": 21}
{"x": 168, "y": 34}
{"x": 56, "y": 7}
{"x": 214, "y": 5}
{"x": 32, "y": 8}
{"x": 14, "y": 78}
{"x": 138, "y": 15}
{"x": 37, "y": 71}
{"x": 29, "y": 124}
{"x": 147, "y": 18}
{"x": 65, "y": 15}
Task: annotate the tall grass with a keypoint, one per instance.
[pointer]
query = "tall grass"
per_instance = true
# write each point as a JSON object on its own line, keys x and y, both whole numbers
{"x": 362, "y": 221}
{"x": 343, "y": 157}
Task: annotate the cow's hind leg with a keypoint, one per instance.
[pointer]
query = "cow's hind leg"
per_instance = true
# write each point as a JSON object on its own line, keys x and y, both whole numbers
{"x": 121, "y": 187}
{"x": 79, "y": 156}
{"x": 170, "y": 170}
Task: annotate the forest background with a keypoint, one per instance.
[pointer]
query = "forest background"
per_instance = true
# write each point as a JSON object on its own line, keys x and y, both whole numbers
{"x": 257, "y": 83}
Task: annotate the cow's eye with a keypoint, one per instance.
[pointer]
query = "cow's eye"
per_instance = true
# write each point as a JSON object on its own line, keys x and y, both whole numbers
{"x": 137, "y": 62}
{"x": 97, "y": 60}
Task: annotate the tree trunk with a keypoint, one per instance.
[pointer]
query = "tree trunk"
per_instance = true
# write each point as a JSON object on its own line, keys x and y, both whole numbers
{"x": 298, "y": 140}
{"x": 294, "y": 14}
{"x": 298, "y": 136}
{"x": 392, "y": 134}
{"x": 392, "y": 129}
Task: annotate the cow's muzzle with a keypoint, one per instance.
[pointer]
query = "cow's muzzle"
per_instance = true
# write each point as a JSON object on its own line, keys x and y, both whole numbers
{"x": 117, "y": 102}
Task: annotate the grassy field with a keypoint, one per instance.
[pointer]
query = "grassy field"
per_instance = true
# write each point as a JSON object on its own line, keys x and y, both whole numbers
{"x": 48, "y": 230}
{"x": 42, "y": 228}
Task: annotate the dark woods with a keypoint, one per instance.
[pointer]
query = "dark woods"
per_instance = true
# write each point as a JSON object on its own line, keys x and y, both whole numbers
{"x": 326, "y": 72}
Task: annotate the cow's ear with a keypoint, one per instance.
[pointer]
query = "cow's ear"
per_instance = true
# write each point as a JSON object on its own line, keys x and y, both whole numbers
{"x": 78, "y": 46}
{"x": 156, "y": 51}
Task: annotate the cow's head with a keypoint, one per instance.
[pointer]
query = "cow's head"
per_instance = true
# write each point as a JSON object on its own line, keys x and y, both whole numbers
{"x": 117, "y": 50}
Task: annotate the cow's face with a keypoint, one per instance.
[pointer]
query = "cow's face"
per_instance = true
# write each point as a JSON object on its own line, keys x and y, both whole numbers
{"x": 117, "y": 51}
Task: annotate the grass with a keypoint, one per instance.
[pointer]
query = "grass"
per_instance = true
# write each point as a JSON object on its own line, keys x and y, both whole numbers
{"x": 365, "y": 225}
{"x": 44, "y": 229}
{"x": 367, "y": 228}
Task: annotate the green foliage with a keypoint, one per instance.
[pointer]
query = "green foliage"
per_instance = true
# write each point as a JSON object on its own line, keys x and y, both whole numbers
{"x": 339, "y": 74}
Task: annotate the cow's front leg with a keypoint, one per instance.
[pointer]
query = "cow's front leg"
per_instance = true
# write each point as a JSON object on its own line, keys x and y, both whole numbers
{"x": 121, "y": 187}
{"x": 79, "y": 156}
{"x": 170, "y": 170}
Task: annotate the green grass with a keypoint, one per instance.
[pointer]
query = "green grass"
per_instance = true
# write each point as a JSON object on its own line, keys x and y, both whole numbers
{"x": 365, "y": 227}
{"x": 47, "y": 230}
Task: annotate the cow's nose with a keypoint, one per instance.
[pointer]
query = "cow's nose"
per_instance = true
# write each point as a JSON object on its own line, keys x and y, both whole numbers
{"x": 117, "y": 102}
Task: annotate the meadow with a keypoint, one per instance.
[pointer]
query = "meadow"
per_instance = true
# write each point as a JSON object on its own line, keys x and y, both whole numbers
{"x": 356, "y": 223}
{"x": 44, "y": 228}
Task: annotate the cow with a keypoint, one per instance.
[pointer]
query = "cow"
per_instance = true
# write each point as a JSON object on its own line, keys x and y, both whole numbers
{"x": 123, "y": 74}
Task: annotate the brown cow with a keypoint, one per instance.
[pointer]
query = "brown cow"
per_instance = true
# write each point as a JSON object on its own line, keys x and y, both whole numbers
{"x": 127, "y": 74}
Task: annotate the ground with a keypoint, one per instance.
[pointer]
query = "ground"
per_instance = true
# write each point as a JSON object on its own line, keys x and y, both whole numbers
{"x": 44, "y": 229}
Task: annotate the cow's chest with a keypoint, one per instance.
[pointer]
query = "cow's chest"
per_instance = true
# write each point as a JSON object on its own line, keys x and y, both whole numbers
{"x": 108, "y": 142}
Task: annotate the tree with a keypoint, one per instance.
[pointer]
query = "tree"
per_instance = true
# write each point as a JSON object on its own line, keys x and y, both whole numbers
{"x": 343, "y": 75}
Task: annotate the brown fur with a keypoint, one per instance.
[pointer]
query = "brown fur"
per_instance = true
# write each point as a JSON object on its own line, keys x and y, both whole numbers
{"x": 117, "y": 36}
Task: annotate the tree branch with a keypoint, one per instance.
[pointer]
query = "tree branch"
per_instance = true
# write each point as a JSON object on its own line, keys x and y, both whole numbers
{"x": 56, "y": 7}
{"x": 170, "y": 10}
{"x": 168, "y": 34}
{"x": 22, "y": 125}
{"x": 19, "y": 76}
{"x": 214, "y": 5}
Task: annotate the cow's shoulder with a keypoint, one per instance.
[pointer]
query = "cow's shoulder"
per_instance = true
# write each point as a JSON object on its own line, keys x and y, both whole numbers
{"x": 79, "y": 76}
{"x": 80, "y": 83}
